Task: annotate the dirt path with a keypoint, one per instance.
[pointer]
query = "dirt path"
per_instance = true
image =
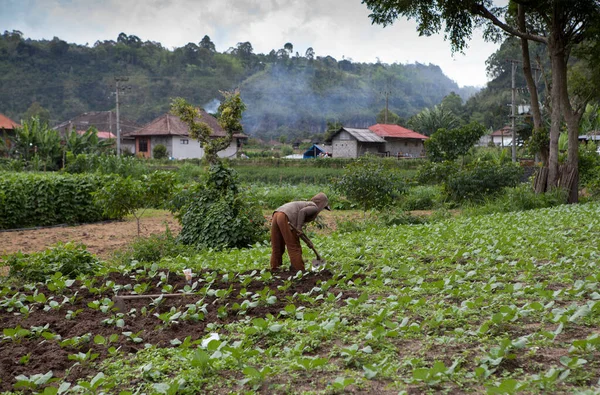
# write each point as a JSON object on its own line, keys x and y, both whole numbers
{"x": 101, "y": 239}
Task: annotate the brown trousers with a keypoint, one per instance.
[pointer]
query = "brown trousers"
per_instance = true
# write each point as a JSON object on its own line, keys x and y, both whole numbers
{"x": 281, "y": 236}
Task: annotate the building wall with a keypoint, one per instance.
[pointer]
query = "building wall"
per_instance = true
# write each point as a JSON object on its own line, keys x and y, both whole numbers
{"x": 344, "y": 146}
{"x": 181, "y": 147}
{"x": 404, "y": 147}
{"x": 366, "y": 148}
{"x": 502, "y": 140}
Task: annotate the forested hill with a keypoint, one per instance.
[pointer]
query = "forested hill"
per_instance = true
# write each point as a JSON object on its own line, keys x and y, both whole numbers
{"x": 285, "y": 92}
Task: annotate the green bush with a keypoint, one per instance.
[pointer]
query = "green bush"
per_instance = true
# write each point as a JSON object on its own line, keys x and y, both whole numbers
{"x": 399, "y": 217}
{"x": 370, "y": 184}
{"x": 34, "y": 199}
{"x": 124, "y": 166}
{"x": 160, "y": 152}
{"x": 124, "y": 196}
{"x": 436, "y": 172}
{"x": 69, "y": 259}
{"x": 589, "y": 163}
{"x": 422, "y": 197}
{"x": 481, "y": 179}
{"x": 189, "y": 172}
{"x": 217, "y": 215}
{"x": 155, "y": 247}
{"x": 520, "y": 198}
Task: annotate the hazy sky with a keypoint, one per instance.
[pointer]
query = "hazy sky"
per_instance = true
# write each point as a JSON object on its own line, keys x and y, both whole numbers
{"x": 340, "y": 28}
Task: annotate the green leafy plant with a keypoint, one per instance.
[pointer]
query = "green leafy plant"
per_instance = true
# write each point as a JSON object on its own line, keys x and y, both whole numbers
{"x": 160, "y": 152}
{"x": 124, "y": 196}
{"x": 69, "y": 259}
{"x": 216, "y": 215}
{"x": 370, "y": 184}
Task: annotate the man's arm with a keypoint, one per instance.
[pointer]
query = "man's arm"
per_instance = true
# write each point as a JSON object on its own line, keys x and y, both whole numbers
{"x": 307, "y": 212}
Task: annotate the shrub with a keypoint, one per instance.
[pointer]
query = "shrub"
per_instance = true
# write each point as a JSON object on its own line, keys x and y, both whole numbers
{"x": 520, "y": 198}
{"x": 124, "y": 166}
{"x": 69, "y": 259}
{"x": 436, "y": 172}
{"x": 589, "y": 162}
{"x": 30, "y": 199}
{"x": 422, "y": 198}
{"x": 370, "y": 184}
{"x": 155, "y": 247}
{"x": 399, "y": 217}
{"x": 189, "y": 172}
{"x": 124, "y": 196}
{"x": 481, "y": 179}
{"x": 160, "y": 152}
{"x": 217, "y": 215}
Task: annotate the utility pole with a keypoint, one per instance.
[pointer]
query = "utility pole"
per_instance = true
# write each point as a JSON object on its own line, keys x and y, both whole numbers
{"x": 118, "y": 80}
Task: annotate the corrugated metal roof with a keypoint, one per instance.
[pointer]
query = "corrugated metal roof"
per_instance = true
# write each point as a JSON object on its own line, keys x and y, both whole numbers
{"x": 386, "y": 130}
{"x": 364, "y": 135}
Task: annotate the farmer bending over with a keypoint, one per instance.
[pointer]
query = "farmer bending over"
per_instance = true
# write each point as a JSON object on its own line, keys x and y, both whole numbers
{"x": 282, "y": 234}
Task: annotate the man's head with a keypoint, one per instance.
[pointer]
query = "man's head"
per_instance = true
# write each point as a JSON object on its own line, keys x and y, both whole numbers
{"x": 320, "y": 199}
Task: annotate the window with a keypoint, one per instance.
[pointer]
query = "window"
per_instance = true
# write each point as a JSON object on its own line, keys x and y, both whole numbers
{"x": 184, "y": 141}
{"x": 143, "y": 145}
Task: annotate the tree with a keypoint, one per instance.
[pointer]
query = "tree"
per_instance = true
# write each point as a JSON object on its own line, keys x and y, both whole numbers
{"x": 451, "y": 144}
{"x": 453, "y": 103}
{"x": 206, "y": 43}
{"x": 558, "y": 24}
{"x": 392, "y": 117}
{"x": 125, "y": 196}
{"x": 430, "y": 121}
{"x": 310, "y": 53}
{"x": 229, "y": 116}
{"x": 36, "y": 110}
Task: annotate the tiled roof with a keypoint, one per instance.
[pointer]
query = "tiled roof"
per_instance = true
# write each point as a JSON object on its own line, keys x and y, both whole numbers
{"x": 364, "y": 135}
{"x": 101, "y": 134}
{"x": 7, "y": 123}
{"x": 395, "y": 131}
{"x": 507, "y": 130}
{"x": 170, "y": 125}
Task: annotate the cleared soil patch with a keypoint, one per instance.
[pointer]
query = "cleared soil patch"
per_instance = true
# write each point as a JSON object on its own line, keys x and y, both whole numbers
{"x": 101, "y": 239}
{"x": 44, "y": 353}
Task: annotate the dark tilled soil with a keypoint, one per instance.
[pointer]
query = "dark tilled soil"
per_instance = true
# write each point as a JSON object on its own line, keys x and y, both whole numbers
{"x": 45, "y": 355}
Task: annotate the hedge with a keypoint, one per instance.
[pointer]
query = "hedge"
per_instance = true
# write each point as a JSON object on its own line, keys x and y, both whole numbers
{"x": 43, "y": 199}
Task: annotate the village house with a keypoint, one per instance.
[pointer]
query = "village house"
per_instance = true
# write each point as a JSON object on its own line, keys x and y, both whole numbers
{"x": 171, "y": 132}
{"x": 379, "y": 139}
{"x": 502, "y": 137}
{"x": 7, "y": 128}
{"x": 106, "y": 124}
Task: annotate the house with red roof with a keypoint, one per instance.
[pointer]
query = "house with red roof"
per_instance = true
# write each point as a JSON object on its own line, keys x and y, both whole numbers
{"x": 379, "y": 139}
{"x": 7, "y": 128}
{"x": 171, "y": 132}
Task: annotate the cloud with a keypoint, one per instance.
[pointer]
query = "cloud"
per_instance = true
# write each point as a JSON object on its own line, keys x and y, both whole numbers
{"x": 340, "y": 28}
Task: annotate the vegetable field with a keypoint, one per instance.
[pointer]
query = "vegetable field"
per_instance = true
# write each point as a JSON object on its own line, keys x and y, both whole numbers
{"x": 502, "y": 303}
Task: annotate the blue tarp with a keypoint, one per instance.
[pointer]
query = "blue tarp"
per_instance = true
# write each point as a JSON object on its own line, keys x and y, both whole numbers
{"x": 314, "y": 152}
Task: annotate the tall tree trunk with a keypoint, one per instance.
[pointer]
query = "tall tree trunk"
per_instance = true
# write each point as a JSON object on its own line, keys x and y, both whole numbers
{"x": 555, "y": 118}
{"x": 535, "y": 102}
{"x": 572, "y": 119}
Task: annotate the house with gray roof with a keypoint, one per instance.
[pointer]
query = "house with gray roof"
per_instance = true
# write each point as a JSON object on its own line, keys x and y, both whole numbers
{"x": 171, "y": 132}
{"x": 352, "y": 143}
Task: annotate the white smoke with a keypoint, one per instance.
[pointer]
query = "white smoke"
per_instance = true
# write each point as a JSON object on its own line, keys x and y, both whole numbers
{"x": 212, "y": 106}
